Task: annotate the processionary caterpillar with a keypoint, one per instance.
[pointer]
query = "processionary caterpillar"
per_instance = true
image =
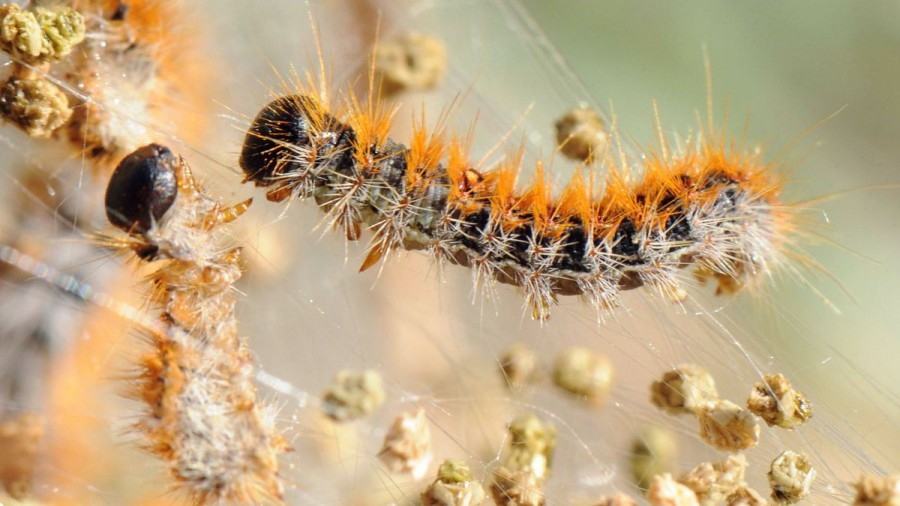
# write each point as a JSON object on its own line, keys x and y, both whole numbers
{"x": 707, "y": 204}
{"x": 201, "y": 413}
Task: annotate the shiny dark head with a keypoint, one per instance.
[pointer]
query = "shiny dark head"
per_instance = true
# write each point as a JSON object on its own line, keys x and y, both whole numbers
{"x": 142, "y": 189}
{"x": 281, "y": 125}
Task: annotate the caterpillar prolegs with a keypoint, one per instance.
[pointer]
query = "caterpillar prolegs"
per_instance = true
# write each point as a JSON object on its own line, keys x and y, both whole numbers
{"x": 708, "y": 205}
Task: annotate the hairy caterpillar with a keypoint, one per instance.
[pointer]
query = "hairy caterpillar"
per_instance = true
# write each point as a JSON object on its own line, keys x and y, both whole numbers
{"x": 201, "y": 414}
{"x": 706, "y": 205}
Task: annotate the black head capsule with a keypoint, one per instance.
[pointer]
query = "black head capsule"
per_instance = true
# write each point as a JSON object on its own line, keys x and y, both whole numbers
{"x": 270, "y": 147}
{"x": 142, "y": 189}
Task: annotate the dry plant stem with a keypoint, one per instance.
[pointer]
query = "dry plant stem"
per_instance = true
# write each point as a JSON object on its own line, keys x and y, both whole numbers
{"x": 201, "y": 415}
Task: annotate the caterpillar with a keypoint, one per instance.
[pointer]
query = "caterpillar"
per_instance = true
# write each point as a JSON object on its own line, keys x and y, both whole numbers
{"x": 707, "y": 205}
{"x": 201, "y": 414}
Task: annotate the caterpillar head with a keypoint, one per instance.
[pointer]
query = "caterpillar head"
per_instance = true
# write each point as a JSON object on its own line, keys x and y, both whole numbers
{"x": 142, "y": 189}
{"x": 290, "y": 138}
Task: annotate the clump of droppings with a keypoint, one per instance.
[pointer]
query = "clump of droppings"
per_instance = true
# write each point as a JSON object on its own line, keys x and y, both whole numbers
{"x": 584, "y": 373}
{"x": 617, "y": 499}
{"x": 520, "y": 480}
{"x": 715, "y": 482}
{"x": 407, "y": 445}
{"x": 790, "y": 477}
{"x": 581, "y": 134}
{"x": 410, "y": 62}
{"x": 684, "y": 389}
{"x": 653, "y": 452}
{"x": 39, "y": 36}
{"x": 519, "y": 366}
{"x": 877, "y": 491}
{"x": 532, "y": 443}
{"x": 745, "y": 496}
{"x": 778, "y": 403}
{"x": 37, "y": 106}
{"x": 454, "y": 486}
{"x": 665, "y": 491}
{"x": 517, "y": 487}
{"x": 353, "y": 395}
{"x": 727, "y": 426}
